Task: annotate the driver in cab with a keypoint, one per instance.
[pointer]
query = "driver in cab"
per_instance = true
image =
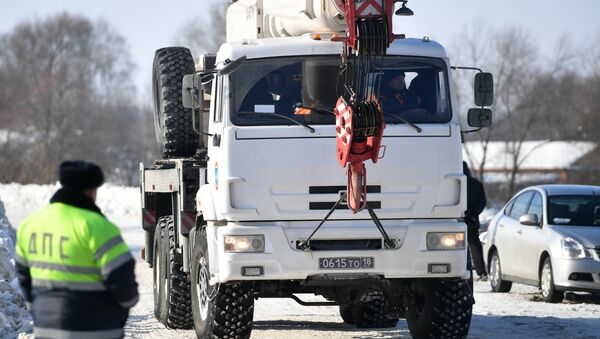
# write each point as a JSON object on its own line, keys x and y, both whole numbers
{"x": 394, "y": 96}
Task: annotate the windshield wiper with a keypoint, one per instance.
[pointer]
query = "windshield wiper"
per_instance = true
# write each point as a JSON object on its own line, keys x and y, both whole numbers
{"x": 327, "y": 112}
{"x": 412, "y": 124}
{"x": 316, "y": 110}
{"x": 312, "y": 130}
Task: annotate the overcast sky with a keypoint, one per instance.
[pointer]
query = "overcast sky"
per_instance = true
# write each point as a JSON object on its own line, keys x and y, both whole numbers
{"x": 148, "y": 25}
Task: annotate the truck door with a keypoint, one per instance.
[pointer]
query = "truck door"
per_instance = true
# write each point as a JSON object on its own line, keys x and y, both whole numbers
{"x": 215, "y": 143}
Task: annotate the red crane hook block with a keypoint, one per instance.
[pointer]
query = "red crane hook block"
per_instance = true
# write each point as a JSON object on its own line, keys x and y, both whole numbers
{"x": 359, "y": 130}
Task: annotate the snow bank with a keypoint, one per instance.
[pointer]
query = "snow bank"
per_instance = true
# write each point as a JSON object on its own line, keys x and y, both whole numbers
{"x": 14, "y": 317}
{"x": 121, "y": 205}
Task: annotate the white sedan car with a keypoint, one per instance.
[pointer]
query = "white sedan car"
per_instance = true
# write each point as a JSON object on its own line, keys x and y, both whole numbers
{"x": 546, "y": 236}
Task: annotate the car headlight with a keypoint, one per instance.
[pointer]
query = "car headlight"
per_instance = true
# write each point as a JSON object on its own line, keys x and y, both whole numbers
{"x": 573, "y": 249}
{"x": 445, "y": 240}
{"x": 244, "y": 243}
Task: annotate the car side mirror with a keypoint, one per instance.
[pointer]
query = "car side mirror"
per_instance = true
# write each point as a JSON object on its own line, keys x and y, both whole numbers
{"x": 479, "y": 117}
{"x": 529, "y": 220}
{"x": 484, "y": 89}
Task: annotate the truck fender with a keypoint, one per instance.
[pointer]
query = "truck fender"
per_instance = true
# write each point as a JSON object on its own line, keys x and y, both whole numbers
{"x": 205, "y": 203}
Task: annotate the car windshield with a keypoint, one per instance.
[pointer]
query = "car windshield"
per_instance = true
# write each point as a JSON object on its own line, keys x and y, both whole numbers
{"x": 413, "y": 89}
{"x": 574, "y": 210}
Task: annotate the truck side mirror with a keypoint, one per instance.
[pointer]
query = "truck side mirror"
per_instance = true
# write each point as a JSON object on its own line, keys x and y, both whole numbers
{"x": 484, "y": 89}
{"x": 479, "y": 117}
{"x": 192, "y": 95}
{"x": 193, "y": 87}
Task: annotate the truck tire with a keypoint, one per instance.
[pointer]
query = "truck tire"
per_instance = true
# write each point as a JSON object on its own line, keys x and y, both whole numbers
{"x": 174, "y": 304}
{"x": 221, "y": 311}
{"x": 373, "y": 313}
{"x": 440, "y": 309}
{"x": 346, "y": 314}
{"x": 157, "y": 266}
{"x": 172, "y": 122}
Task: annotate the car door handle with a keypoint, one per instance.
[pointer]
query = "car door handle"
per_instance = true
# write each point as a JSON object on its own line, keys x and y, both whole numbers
{"x": 501, "y": 225}
{"x": 520, "y": 231}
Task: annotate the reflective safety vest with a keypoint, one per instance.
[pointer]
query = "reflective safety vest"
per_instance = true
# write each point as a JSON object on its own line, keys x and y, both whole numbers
{"x": 67, "y": 247}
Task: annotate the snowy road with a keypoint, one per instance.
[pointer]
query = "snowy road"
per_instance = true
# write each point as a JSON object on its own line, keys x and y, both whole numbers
{"x": 518, "y": 314}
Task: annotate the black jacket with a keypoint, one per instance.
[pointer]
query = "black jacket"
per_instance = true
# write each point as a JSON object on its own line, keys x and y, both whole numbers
{"x": 476, "y": 200}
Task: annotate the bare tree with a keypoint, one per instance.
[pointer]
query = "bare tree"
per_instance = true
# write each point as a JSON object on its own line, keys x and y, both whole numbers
{"x": 473, "y": 48}
{"x": 68, "y": 81}
{"x": 526, "y": 92}
{"x": 205, "y": 33}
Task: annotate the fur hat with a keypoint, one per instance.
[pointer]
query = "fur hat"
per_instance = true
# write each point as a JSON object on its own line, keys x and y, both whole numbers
{"x": 80, "y": 175}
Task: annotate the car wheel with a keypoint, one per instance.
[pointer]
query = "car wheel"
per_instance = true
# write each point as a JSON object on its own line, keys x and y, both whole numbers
{"x": 549, "y": 292}
{"x": 496, "y": 281}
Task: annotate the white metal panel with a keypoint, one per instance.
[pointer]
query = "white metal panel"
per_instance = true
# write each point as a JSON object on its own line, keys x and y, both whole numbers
{"x": 257, "y": 19}
{"x": 294, "y": 46}
{"x": 161, "y": 180}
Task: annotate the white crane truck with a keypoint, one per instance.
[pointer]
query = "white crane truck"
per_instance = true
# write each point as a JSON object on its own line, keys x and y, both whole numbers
{"x": 250, "y": 200}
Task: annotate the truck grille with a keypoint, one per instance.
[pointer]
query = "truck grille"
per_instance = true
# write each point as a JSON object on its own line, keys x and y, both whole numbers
{"x": 327, "y": 205}
{"x": 343, "y": 245}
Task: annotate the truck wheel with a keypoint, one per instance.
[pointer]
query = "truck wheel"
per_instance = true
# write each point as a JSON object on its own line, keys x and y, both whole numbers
{"x": 439, "y": 309}
{"x": 496, "y": 282}
{"x": 172, "y": 122}
{"x": 157, "y": 274}
{"x": 346, "y": 314}
{"x": 221, "y": 311}
{"x": 373, "y": 313}
{"x": 174, "y": 285}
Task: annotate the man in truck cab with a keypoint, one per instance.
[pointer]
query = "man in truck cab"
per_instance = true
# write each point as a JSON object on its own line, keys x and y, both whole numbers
{"x": 73, "y": 266}
{"x": 395, "y": 97}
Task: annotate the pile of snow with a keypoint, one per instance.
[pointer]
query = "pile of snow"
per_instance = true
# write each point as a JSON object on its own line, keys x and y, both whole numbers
{"x": 14, "y": 317}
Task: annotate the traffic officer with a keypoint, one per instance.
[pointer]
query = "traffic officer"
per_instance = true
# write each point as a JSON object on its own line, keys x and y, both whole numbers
{"x": 73, "y": 265}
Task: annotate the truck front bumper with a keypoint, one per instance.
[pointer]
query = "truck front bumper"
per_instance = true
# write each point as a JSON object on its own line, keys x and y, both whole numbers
{"x": 282, "y": 260}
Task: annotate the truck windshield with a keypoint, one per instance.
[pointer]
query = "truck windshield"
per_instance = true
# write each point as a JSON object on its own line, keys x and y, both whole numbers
{"x": 414, "y": 89}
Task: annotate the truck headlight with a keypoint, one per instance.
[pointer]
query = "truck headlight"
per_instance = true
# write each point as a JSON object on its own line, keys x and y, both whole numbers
{"x": 573, "y": 249}
{"x": 244, "y": 243}
{"x": 445, "y": 240}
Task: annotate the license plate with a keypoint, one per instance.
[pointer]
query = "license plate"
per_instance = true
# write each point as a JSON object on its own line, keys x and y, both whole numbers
{"x": 346, "y": 263}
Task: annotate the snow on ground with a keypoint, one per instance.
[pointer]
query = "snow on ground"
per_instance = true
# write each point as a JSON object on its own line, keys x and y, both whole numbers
{"x": 518, "y": 314}
{"x": 14, "y": 317}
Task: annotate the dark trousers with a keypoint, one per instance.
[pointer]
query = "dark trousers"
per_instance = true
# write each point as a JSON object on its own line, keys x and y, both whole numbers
{"x": 475, "y": 245}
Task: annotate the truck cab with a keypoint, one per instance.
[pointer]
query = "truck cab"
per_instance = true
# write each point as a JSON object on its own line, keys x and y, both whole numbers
{"x": 272, "y": 176}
